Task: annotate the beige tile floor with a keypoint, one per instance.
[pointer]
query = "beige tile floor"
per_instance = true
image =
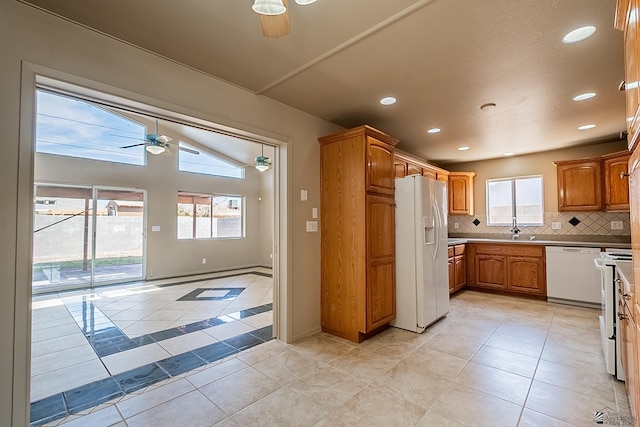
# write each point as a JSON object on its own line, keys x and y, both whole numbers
{"x": 62, "y": 358}
{"x": 494, "y": 361}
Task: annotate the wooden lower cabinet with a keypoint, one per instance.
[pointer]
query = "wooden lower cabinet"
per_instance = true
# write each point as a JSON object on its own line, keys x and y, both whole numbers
{"x": 457, "y": 263}
{"x": 514, "y": 268}
{"x": 490, "y": 271}
{"x": 525, "y": 274}
{"x": 628, "y": 344}
{"x": 452, "y": 275}
{"x": 460, "y": 267}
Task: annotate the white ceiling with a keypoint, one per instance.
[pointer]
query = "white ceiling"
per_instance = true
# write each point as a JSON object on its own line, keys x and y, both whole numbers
{"x": 441, "y": 59}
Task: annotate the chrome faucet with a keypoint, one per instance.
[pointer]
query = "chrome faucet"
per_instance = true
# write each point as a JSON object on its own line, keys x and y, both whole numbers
{"x": 515, "y": 231}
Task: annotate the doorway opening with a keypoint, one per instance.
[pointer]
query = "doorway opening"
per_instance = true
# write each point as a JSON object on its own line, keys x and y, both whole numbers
{"x": 122, "y": 288}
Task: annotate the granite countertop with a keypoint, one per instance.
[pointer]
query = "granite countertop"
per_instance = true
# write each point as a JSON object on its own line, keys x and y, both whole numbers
{"x": 546, "y": 240}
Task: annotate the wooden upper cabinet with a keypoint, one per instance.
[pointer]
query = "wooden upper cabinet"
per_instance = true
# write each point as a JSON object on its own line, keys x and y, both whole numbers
{"x": 616, "y": 181}
{"x": 579, "y": 185}
{"x": 380, "y": 167}
{"x": 413, "y": 169}
{"x": 460, "y": 190}
{"x": 408, "y": 165}
{"x": 400, "y": 168}
{"x": 627, "y": 21}
{"x": 429, "y": 173}
{"x": 444, "y": 177}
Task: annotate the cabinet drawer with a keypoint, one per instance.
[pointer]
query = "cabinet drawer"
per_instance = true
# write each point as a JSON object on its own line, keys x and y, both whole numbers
{"x": 458, "y": 249}
{"x": 515, "y": 249}
{"x": 450, "y": 252}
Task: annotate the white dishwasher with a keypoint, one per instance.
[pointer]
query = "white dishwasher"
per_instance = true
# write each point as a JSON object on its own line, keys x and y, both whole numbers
{"x": 572, "y": 277}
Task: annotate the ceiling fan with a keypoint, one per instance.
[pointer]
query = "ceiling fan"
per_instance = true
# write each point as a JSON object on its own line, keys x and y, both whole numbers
{"x": 262, "y": 162}
{"x": 274, "y": 16}
{"x": 156, "y": 144}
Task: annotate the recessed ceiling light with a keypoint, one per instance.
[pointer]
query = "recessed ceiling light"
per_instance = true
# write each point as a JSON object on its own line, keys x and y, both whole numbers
{"x": 586, "y": 127}
{"x": 388, "y": 100}
{"x": 305, "y": 2}
{"x": 584, "y": 96}
{"x": 464, "y": 148}
{"x": 511, "y": 153}
{"x": 434, "y": 130}
{"x": 579, "y": 34}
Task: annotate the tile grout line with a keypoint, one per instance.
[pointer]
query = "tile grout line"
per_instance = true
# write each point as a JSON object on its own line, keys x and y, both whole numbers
{"x": 124, "y": 392}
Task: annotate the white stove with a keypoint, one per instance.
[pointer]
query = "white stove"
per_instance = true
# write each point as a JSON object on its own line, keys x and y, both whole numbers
{"x": 609, "y": 299}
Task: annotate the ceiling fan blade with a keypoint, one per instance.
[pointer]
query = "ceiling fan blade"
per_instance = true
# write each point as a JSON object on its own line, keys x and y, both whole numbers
{"x": 188, "y": 150}
{"x": 127, "y": 137}
{"x": 163, "y": 138}
{"x": 134, "y": 145}
{"x": 274, "y": 26}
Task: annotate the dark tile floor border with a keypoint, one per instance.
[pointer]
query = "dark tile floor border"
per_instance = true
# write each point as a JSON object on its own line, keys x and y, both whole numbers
{"x": 89, "y": 395}
{"x": 106, "y": 338}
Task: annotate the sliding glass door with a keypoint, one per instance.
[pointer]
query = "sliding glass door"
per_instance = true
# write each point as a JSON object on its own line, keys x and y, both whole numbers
{"x": 85, "y": 236}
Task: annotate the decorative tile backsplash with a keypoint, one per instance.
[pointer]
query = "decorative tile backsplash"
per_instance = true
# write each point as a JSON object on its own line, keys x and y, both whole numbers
{"x": 586, "y": 224}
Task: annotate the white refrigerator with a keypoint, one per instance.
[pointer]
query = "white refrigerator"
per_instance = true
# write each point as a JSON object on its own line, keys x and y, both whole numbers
{"x": 422, "y": 274}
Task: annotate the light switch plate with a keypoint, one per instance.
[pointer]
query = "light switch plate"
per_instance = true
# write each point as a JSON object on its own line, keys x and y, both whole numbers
{"x": 314, "y": 213}
{"x": 155, "y": 228}
{"x": 556, "y": 225}
{"x": 303, "y": 195}
{"x": 616, "y": 225}
{"x": 312, "y": 226}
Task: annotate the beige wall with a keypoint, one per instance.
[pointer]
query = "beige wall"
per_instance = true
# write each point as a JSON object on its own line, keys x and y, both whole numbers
{"x": 34, "y": 37}
{"x": 531, "y": 164}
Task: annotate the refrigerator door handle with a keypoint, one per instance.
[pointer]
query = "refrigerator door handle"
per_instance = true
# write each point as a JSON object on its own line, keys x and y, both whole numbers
{"x": 437, "y": 231}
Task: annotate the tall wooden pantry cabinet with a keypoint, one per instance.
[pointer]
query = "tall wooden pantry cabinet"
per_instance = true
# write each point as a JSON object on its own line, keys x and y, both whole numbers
{"x": 358, "y": 294}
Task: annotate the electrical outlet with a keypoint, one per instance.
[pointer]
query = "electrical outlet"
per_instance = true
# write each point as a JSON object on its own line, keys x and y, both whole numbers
{"x": 303, "y": 195}
{"x": 616, "y": 225}
{"x": 456, "y": 225}
{"x": 204, "y": 260}
{"x": 314, "y": 213}
{"x": 556, "y": 225}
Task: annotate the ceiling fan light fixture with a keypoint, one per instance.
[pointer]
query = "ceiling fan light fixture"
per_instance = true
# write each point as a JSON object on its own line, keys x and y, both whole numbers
{"x": 155, "y": 149}
{"x": 305, "y": 2}
{"x": 269, "y": 7}
{"x": 579, "y": 34}
{"x": 263, "y": 163}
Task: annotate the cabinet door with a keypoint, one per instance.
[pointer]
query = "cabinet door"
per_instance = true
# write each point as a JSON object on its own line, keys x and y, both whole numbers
{"x": 580, "y": 186}
{"x": 490, "y": 271}
{"x": 460, "y": 197}
{"x": 429, "y": 173}
{"x": 400, "y": 168}
{"x": 632, "y": 74}
{"x": 452, "y": 275}
{"x": 526, "y": 274}
{"x": 413, "y": 169}
{"x": 627, "y": 347}
{"x": 380, "y": 167}
{"x": 461, "y": 271}
{"x": 616, "y": 184}
{"x": 381, "y": 284}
